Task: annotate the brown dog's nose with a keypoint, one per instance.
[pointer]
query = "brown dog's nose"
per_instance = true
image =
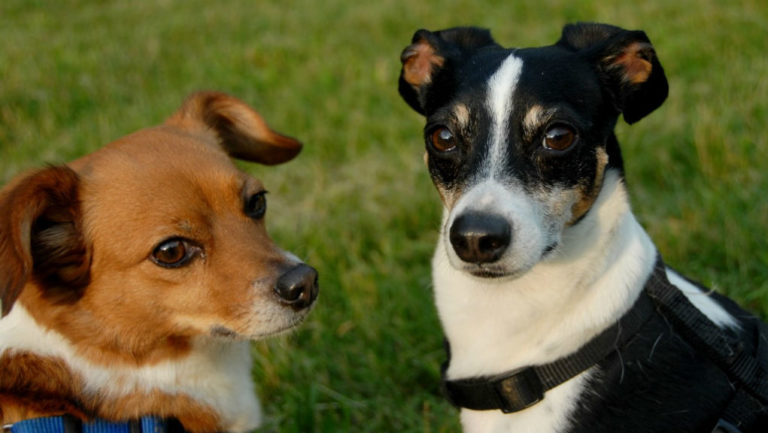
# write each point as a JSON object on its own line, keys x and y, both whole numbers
{"x": 298, "y": 286}
{"x": 480, "y": 238}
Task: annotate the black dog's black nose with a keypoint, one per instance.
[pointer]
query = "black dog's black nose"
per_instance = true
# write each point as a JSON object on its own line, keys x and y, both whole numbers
{"x": 480, "y": 238}
{"x": 298, "y": 286}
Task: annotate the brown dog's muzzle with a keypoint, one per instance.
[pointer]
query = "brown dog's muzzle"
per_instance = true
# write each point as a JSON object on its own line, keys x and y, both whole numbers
{"x": 298, "y": 287}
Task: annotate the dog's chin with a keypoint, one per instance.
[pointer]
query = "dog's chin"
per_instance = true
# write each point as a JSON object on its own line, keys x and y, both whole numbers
{"x": 489, "y": 271}
{"x": 501, "y": 270}
{"x": 492, "y": 274}
{"x": 274, "y": 333}
{"x": 489, "y": 274}
{"x": 289, "y": 325}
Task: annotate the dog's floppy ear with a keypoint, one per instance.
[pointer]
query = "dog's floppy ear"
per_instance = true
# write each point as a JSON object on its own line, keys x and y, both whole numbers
{"x": 627, "y": 63}
{"x": 41, "y": 236}
{"x": 237, "y": 127}
{"x": 431, "y": 61}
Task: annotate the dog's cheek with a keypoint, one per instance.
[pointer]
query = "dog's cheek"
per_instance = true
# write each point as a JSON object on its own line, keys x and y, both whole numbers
{"x": 447, "y": 177}
{"x": 587, "y": 192}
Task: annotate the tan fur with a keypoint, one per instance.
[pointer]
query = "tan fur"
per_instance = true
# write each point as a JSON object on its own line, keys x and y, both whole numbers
{"x": 636, "y": 68}
{"x": 532, "y": 120}
{"x": 587, "y": 195}
{"x": 536, "y": 117}
{"x": 75, "y": 246}
{"x": 418, "y": 60}
{"x": 461, "y": 114}
{"x": 32, "y": 387}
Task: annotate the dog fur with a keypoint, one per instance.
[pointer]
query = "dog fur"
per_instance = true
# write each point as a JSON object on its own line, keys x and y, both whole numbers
{"x": 133, "y": 278}
{"x": 523, "y": 139}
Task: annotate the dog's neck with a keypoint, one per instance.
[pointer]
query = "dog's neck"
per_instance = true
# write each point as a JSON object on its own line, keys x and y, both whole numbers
{"x": 45, "y": 367}
{"x": 562, "y": 302}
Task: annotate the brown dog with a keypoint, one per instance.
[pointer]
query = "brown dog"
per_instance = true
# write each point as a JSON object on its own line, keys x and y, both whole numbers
{"x": 132, "y": 279}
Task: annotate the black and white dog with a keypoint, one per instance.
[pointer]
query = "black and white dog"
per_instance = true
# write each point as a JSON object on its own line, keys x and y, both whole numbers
{"x": 540, "y": 257}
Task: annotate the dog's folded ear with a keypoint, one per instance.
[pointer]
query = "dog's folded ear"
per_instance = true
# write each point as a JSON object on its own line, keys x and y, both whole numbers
{"x": 237, "y": 128}
{"x": 627, "y": 63}
{"x": 41, "y": 237}
{"x": 431, "y": 61}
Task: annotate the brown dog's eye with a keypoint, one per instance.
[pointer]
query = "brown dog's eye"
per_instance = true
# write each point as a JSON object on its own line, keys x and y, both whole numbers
{"x": 559, "y": 137}
{"x": 442, "y": 139}
{"x": 256, "y": 205}
{"x": 173, "y": 253}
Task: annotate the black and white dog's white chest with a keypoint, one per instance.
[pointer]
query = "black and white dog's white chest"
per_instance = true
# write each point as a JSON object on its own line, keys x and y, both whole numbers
{"x": 539, "y": 252}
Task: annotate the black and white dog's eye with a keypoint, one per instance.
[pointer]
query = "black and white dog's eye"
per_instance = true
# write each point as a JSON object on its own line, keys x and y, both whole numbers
{"x": 559, "y": 137}
{"x": 174, "y": 252}
{"x": 442, "y": 139}
{"x": 256, "y": 205}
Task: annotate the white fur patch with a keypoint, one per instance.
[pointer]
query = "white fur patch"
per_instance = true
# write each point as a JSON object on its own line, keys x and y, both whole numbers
{"x": 600, "y": 268}
{"x": 703, "y": 301}
{"x": 583, "y": 287}
{"x": 216, "y": 373}
{"x": 501, "y": 87}
{"x": 548, "y": 312}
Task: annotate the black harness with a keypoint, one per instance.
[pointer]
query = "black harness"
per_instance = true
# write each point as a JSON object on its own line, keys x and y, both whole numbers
{"x": 746, "y": 369}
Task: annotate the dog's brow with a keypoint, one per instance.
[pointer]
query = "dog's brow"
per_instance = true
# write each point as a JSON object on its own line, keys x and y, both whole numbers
{"x": 185, "y": 225}
{"x": 461, "y": 114}
{"x": 534, "y": 118}
{"x": 250, "y": 186}
{"x": 194, "y": 227}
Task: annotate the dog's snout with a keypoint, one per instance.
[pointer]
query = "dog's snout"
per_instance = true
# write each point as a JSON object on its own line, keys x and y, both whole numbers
{"x": 298, "y": 286}
{"x": 480, "y": 238}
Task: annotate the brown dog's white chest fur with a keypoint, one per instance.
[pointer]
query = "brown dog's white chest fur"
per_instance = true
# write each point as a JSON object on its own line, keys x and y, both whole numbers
{"x": 188, "y": 387}
{"x": 133, "y": 278}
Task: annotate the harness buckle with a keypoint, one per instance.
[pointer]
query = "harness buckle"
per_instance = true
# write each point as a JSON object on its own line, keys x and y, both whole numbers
{"x": 519, "y": 391}
{"x": 724, "y": 426}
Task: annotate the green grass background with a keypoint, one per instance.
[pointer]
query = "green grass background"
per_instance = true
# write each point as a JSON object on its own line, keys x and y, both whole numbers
{"x": 357, "y": 203}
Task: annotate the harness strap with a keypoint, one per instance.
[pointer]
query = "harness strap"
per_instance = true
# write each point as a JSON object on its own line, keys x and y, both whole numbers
{"x": 723, "y": 347}
{"x": 70, "y": 424}
{"x": 518, "y": 389}
{"x": 747, "y": 409}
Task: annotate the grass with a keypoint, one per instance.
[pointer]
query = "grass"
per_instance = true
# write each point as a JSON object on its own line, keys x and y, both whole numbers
{"x": 358, "y": 204}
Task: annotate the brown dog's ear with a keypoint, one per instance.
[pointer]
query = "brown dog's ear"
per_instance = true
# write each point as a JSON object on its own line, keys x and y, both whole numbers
{"x": 238, "y": 128}
{"x": 41, "y": 236}
{"x": 432, "y": 60}
{"x": 627, "y": 63}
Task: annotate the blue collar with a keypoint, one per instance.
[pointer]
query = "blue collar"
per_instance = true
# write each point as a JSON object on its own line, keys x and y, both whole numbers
{"x": 69, "y": 424}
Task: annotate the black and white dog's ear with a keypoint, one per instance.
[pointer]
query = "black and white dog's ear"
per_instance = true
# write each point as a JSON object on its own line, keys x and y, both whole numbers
{"x": 627, "y": 62}
{"x": 431, "y": 60}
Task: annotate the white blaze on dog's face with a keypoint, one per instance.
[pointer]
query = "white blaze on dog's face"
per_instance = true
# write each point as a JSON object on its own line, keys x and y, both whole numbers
{"x": 157, "y": 239}
{"x": 518, "y": 140}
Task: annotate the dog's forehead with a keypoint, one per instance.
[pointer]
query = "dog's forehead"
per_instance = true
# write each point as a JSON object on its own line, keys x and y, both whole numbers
{"x": 553, "y": 74}
{"x": 156, "y": 178}
{"x": 500, "y": 114}
{"x": 150, "y": 149}
{"x": 164, "y": 161}
{"x": 533, "y": 77}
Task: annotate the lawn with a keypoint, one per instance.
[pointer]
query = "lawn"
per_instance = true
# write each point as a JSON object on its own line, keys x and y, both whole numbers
{"x": 357, "y": 204}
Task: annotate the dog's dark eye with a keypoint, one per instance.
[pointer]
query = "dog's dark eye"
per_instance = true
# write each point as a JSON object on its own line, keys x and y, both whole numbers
{"x": 559, "y": 137}
{"x": 442, "y": 139}
{"x": 256, "y": 205}
{"x": 173, "y": 253}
